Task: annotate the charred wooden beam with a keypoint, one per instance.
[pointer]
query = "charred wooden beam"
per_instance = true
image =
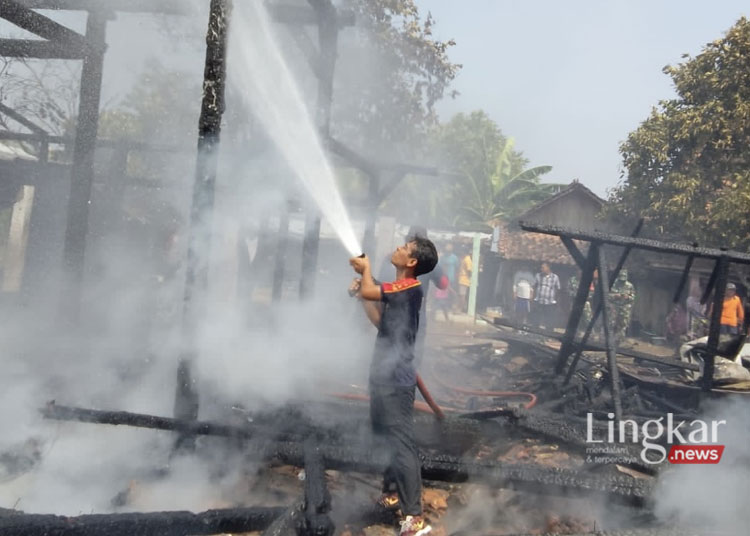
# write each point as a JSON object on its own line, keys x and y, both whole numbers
{"x": 322, "y": 62}
{"x": 371, "y": 167}
{"x": 609, "y": 337}
{"x": 29, "y": 137}
{"x": 624, "y": 256}
{"x": 82, "y": 169}
{"x": 201, "y": 208}
{"x": 598, "y": 308}
{"x": 439, "y": 467}
{"x": 209, "y": 132}
{"x": 328, "y": 37}
{"x": 385, "y": 190}
{"x": 683, "y": 280}
{"x": 580, "y": 346}
{"x": 291, "y": 522}
{"x": 317, "y": 503}
{"x": 710, "y": 284}
{"x": 36, "y": 129}
{"x": 574, "y": 251}
{"x": 283, "y": 13}
{"x": 39, "y": 49}
{"x": 666, "y": 361}
{"x": 178, "y": 523}
{"x": 561, "y": 429}
{"x": 19, "y": 118}
{"x": 451, "y": 469}
{"x": 714, "y": 328}
{"x": 188, "y": 427}
{"x": 168, "y": 7}
{"x": 351, "y": 156}
{"x": 36, "y": 23}
{"x": 638, "y": 243}
{"x": 128, "y": 145}
{"x": 124, "y": 418}
{"x": 680, "y": 531}
{"x": 582, "y": 294}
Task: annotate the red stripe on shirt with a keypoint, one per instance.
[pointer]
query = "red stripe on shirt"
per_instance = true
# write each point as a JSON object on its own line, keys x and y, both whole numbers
{"x": 402, "y": 284}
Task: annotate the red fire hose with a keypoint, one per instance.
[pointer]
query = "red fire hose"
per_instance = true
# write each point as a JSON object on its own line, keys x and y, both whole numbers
{"x": 418, "y": 404}
{"x": 430, "y": 407}
{"x": 530, "y": 404}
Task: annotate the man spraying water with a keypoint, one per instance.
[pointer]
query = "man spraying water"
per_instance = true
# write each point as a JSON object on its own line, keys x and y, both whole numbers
{"x": 394, "y": 309}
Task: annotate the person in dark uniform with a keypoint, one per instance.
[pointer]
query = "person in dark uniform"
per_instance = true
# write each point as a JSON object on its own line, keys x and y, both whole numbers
{"x": 436, "y": 277}
{"x": 394, "y": 309}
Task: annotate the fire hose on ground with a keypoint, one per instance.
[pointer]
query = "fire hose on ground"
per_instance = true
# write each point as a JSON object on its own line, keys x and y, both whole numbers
{"x": 432, "y": 407}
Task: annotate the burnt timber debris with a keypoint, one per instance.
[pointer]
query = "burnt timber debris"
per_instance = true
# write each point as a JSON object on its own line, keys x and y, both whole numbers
{"x": 142, "y": 524}
{"x": 597, "y": 240}
{"x": 341, "y": 453}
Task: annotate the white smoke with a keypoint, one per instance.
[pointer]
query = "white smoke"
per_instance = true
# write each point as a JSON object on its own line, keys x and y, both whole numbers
{"x": 712, "y": 496}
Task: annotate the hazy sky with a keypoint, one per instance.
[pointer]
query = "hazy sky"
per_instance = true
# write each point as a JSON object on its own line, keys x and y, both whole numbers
{"x": 569, "y": 80}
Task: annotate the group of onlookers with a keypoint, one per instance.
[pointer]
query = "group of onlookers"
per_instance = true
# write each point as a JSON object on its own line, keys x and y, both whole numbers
{"x": 457, "y": 269}
{"x": 691, "y": 320}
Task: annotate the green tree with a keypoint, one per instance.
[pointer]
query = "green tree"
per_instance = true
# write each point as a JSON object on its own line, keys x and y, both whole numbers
{"x": 687, "y": 167}
{"x": 161, "y": 109}
{"x": 390, "y": 73}
{"x": 485, "y": 176}
{"x": 505, "y": 193}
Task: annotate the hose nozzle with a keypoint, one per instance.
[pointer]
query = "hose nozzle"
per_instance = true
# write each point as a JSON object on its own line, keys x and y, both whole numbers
{"x": 353, "y": 291}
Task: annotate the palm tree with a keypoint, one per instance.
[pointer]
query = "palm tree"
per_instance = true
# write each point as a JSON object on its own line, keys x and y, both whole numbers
{"x": 503, "y": 193}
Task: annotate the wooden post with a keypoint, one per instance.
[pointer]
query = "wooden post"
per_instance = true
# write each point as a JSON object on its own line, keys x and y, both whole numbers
{"x": 201, "y": 212}
{"x": 82, "y": 170}
{"x": 609, "y": 337}
{"x": 714, "y": 328}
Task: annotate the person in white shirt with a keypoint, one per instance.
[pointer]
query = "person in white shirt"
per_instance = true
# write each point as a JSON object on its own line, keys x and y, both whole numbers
{"x": 522, "y": 295}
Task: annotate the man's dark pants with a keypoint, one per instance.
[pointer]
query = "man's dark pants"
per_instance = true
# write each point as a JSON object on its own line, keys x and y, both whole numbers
{"x": 391, "y": 415}
{"x": 546, "y": 315}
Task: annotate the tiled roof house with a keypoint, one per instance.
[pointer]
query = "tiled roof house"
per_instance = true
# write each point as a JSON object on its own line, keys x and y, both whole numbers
{"x": 521, "y": 252}
{"x": 576, "y": 207}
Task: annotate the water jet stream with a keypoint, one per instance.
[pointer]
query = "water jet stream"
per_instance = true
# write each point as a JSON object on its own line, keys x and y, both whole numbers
{"x": 259, "y": 70}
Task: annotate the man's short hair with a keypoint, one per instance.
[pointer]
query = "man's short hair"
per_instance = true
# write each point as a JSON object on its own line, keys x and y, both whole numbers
{"x": 426, "y": 255}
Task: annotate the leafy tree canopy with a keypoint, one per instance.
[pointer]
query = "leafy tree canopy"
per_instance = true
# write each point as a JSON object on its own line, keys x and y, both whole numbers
{"x": 390, "y": 73}
{"x": 483, "y": 178}
{"x": 687, "y": 166}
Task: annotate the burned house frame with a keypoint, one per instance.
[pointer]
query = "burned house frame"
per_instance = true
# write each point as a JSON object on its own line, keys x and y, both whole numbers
{"x": 59, "y": 42}
{"x": 596, "y": 259}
